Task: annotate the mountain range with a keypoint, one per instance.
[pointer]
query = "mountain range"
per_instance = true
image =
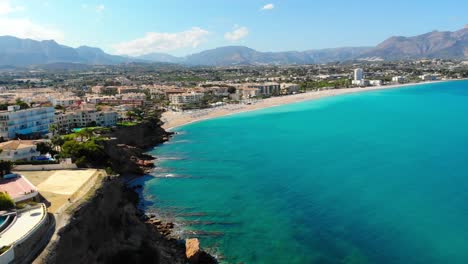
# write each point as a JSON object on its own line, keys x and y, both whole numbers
{"x": 436, "y": 44}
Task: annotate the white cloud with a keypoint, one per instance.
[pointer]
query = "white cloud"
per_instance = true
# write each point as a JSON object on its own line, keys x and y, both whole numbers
{"x": 100, "y": 8}
{"x": 162, "y": 42}
{"x": 268, "y": 7}
{"x": 25, "y": 28}
{"x": 6, "y": 7}
{"x": 237, "y": 34}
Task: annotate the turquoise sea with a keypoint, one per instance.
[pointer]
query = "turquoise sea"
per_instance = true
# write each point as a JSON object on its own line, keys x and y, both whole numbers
{"x": 372, "y": 177}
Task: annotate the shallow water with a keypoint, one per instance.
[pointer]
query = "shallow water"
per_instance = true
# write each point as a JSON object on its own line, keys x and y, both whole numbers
{"x": 374, "y": 177}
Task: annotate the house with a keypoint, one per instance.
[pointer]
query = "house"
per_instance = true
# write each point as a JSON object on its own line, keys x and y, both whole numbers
{"x": 14, "y": 150}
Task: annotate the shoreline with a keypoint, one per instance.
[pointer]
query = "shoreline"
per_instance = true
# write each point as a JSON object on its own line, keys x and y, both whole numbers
{"x": 173, "y": 120}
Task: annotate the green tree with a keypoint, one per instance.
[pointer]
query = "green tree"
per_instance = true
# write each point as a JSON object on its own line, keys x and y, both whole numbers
{"x": 22, "y": 105}
{"x": 5, "y": 167}
{"x": 84, "y": 153}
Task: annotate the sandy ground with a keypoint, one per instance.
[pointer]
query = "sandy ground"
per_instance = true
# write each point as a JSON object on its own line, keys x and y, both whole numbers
{"x": 173, "y": 119}
{"x": 60, "y": 185}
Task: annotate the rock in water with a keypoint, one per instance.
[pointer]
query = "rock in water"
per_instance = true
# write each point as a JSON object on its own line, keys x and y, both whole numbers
{"x": 192, "y": 250}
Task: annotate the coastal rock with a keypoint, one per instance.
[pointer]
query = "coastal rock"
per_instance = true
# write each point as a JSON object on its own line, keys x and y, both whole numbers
{"x": 127, "y": 147}
{"x": 192, "y": 249}
{"x": 195, "y": 255}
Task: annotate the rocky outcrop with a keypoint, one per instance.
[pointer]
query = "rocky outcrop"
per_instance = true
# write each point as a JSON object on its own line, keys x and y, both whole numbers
{"x": 194, "y": 254}
{"x": 143, "y": 136}
{"x": 127, "y": 145}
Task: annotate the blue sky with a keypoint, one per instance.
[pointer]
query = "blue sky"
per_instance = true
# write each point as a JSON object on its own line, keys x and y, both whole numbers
{"x": 182, "y": 27}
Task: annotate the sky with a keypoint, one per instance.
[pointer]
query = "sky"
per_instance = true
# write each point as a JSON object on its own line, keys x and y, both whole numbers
{"x": 181, "y": 27}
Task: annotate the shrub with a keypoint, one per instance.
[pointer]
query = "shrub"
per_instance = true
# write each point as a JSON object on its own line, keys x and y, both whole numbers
{"x": 6, "y": 203}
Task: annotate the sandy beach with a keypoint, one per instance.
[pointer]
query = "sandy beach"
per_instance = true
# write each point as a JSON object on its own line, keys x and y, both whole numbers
{"x": 174, "y": 119}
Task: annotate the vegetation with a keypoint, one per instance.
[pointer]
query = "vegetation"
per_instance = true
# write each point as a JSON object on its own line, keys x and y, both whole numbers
{"x": 5, "y": 167}
{"x": 127, "y": 123}
{"x": 4, "y": 249}
{"x": 23, "y": 205}
{"x": 333, "y": 84}
{"x": 6, "y": 203}
{"x": 85, "y": 154}
{"x": 44, "y": 148}
{"x": 22, "y": 105}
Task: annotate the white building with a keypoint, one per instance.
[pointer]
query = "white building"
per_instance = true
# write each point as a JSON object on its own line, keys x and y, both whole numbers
{"x": 65, "y": 102}
{"x": 428, "y": 77}
{"x": 269, "y": 88}
{"x": 185, "y": 98}
{"x": 14, "y": 150}
{"x": 361, "y": 83}
{"x": 246, "y": 92}
{"x": 84, "y": 118}
{"x": 27, "y": 122}
{"x": 289, "y": 88}
{"x": 358, "y": 74}
{"x": 375, "y": 82}
{"x": 398, "y": 79}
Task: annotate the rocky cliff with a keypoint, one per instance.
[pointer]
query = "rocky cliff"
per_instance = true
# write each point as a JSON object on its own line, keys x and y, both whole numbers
{"x": 127, "y": 146}
{"x": 109, "y": 228}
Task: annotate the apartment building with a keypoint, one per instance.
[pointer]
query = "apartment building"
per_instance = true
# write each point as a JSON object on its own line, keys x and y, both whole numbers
{"x": 27, "y": 122}
{"x": 267, "y": 89}
{"x": 246, "y": 93}
{"x": 84, "y": 118}
{"x": 65, "y": 102}
{"x": 289, "y": 88}
{"x": 185, "y": 98}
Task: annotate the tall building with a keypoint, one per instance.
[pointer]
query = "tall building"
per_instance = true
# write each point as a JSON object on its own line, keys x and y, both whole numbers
{"x": 27, "y": 122}
{"x": 358, "y": 74}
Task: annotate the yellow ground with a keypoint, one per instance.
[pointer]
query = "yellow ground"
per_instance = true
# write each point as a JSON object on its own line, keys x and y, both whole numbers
{"x": 60, "y": 185}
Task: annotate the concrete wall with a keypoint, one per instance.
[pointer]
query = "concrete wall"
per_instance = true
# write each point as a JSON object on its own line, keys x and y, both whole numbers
{"x": 7, "y": 256}
{"x": 30, "y": 246}
{"x": 45, "y": 167}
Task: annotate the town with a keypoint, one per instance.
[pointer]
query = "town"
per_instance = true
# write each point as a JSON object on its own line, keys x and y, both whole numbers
{"x": 52, "y": 123}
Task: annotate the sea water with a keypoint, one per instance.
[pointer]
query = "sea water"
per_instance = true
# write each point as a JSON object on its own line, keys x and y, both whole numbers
{"x": 371, "y": 177}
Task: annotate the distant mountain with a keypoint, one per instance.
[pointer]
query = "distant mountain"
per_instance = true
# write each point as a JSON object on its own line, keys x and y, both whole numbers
{"x": 445, "y": 45}
{"x": 239, "y": 55}
{"x": 161, "y": 57}
{"x": 15, "y": 52}
{"x": 24, "y": 52}
{"x": 91, "y": 55}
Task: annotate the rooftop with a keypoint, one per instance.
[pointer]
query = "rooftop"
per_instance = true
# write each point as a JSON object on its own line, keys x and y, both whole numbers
{"x": 19, "y": 188}
{"x": 17, "y": 144}
{"x": 25, "y": 222}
